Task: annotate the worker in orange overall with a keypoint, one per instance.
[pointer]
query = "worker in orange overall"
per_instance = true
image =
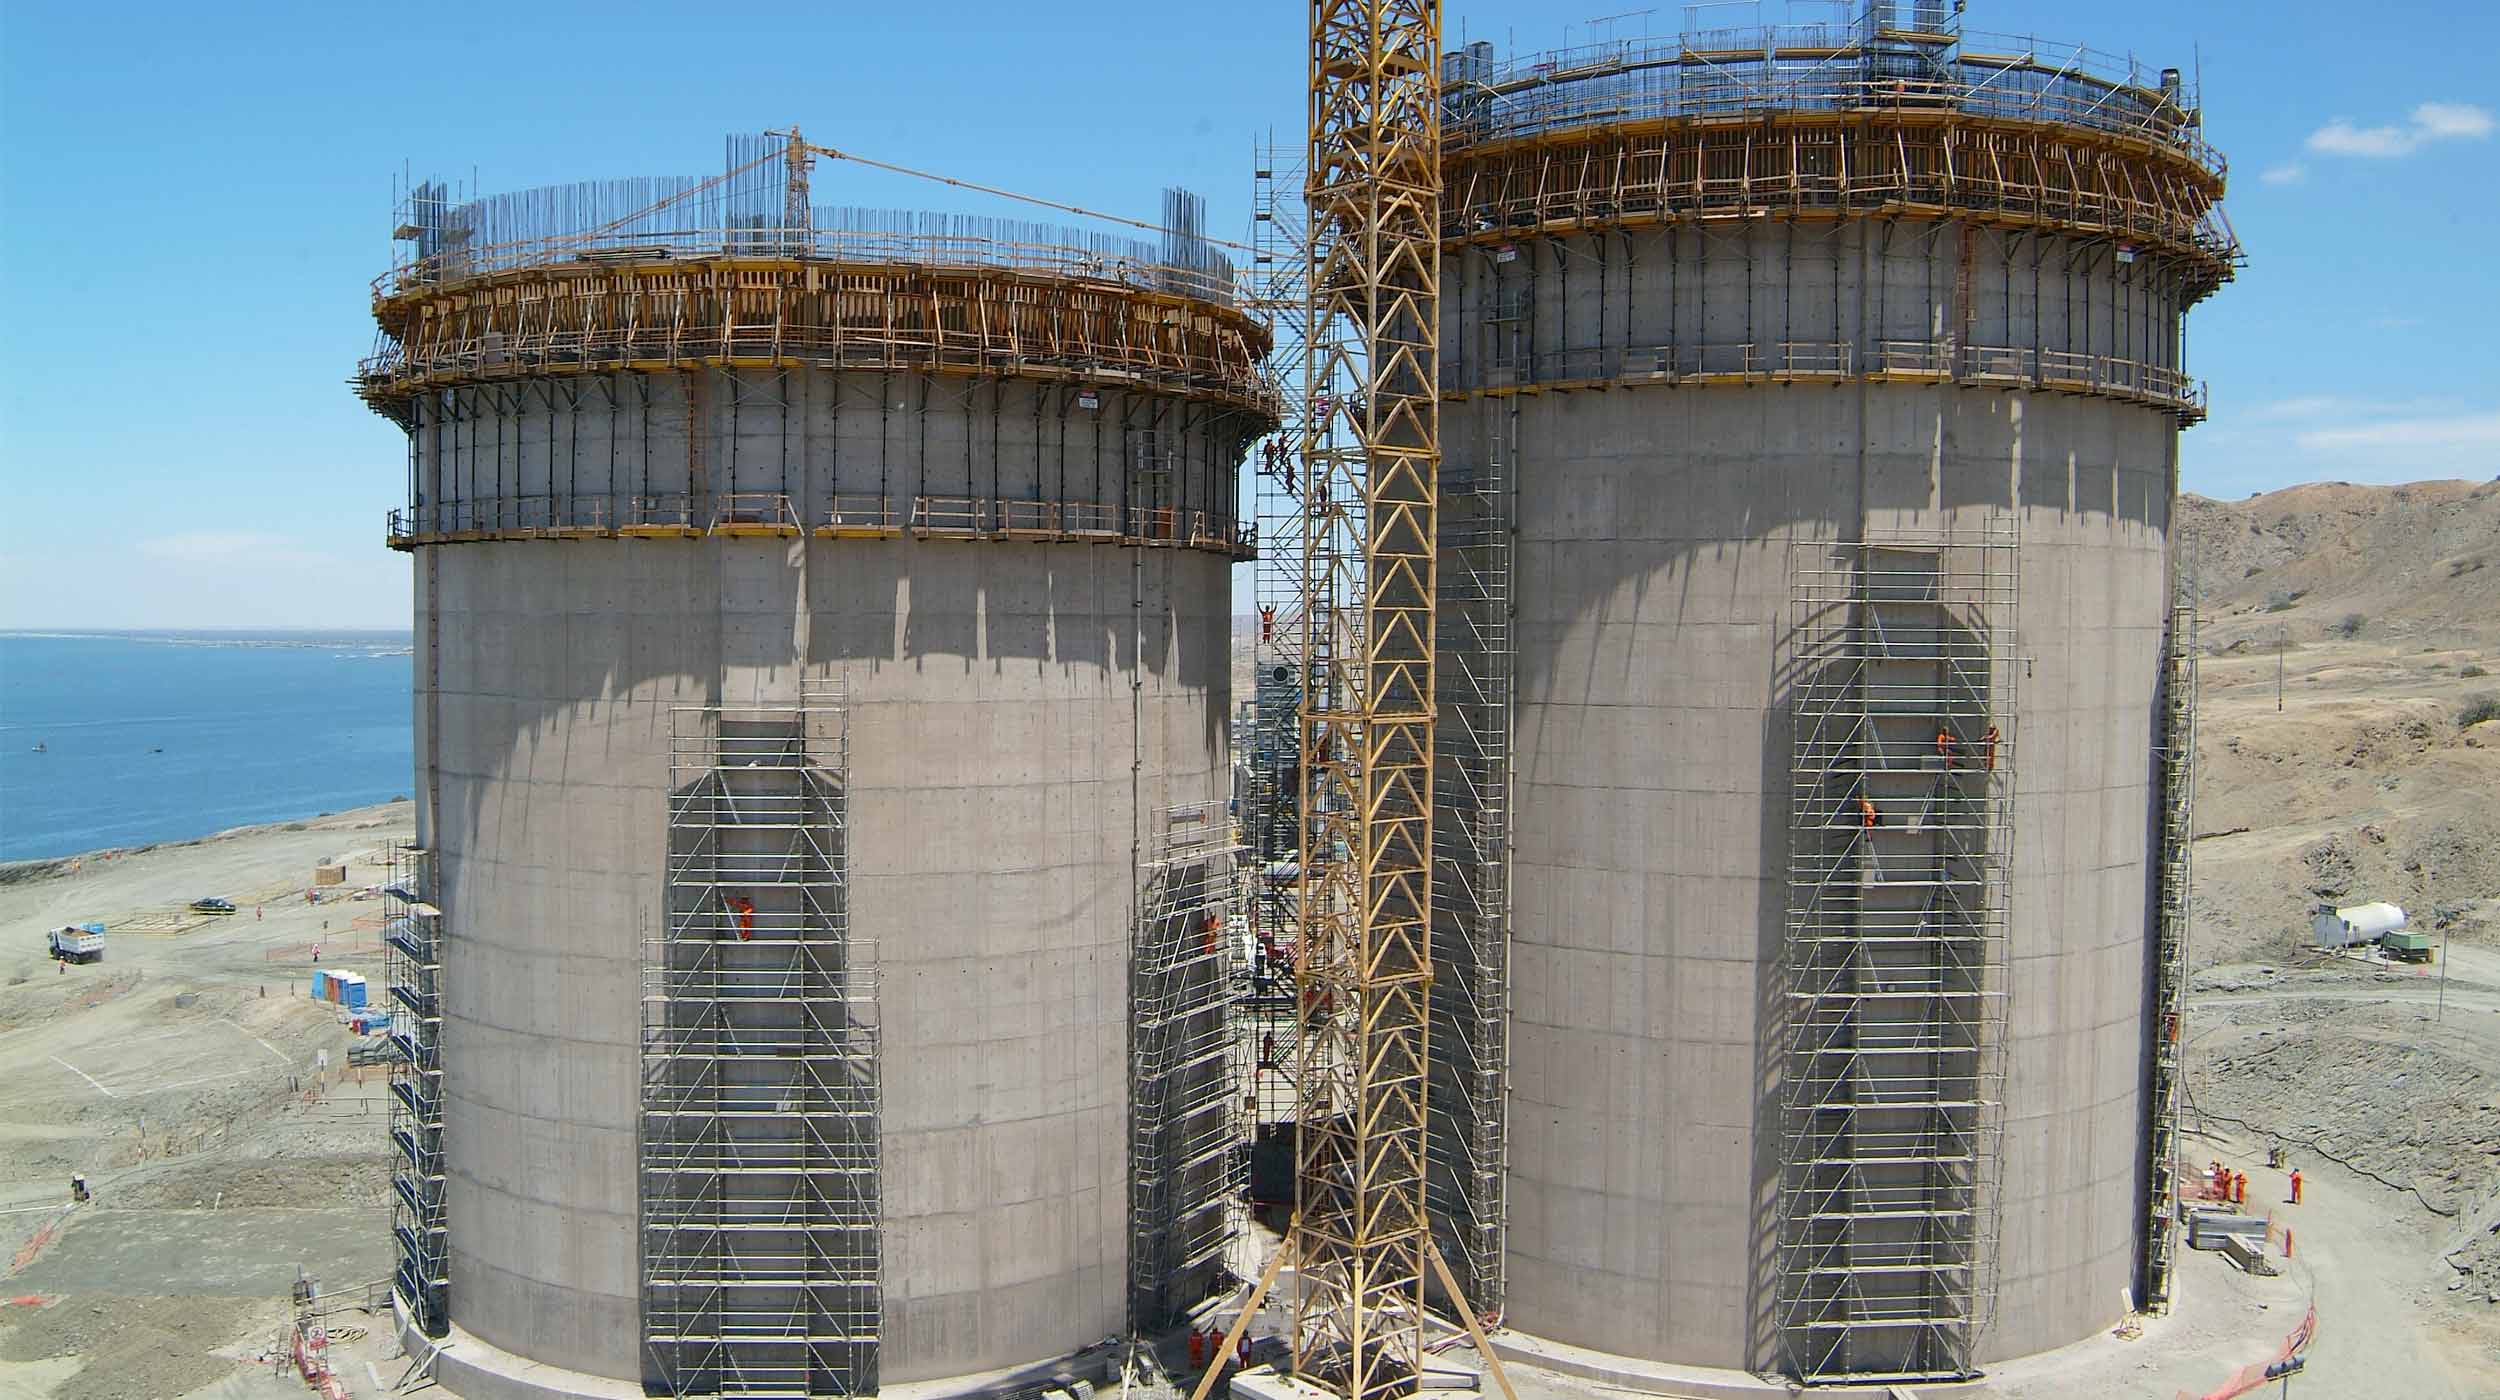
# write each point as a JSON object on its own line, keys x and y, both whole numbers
{"x": 1990, "y": 739}
{"x": 2239, "y": 1188}
{"x": 744, "y": 908}
{"x": 2295, "y": 1186}
{"x": 1867, "y": 815}
{"x": 1946, "y": 745}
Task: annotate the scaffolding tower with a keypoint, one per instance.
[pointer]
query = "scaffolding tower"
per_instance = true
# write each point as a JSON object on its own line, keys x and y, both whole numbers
{"x": 759, "y": 1068}
{"x": 412, "y": 937}
{"x": 1901, "y": 819}
{"x": 1185, "y": 1168}
{"x": 1281, "y": 292}
{"x": 1471, "y": 833}
{"x": 2176, "y": 757}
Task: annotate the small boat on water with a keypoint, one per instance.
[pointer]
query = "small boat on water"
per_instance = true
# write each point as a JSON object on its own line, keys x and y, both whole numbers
{"x": 39, "y": 748}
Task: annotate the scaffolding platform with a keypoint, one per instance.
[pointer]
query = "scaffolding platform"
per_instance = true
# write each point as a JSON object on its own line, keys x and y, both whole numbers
{"x": 1185, "y": 1167}
{"x": 1902, "y": 699}
{"x": 412, "y": 939}
{"x": 2176, "y": 768}
{"x": 759, "y": 1186}
{"x": 1470, "y": 999}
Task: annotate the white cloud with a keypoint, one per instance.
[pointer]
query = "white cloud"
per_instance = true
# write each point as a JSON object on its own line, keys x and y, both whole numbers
{"x": 2431, "y": 121}
{"x": 2311, "y": 407}
{"x": 2288, "y": 173}
{"x": 226, "y": 547}
{"x": 2452, "y": 121}
{"x": 2454, "y": 433}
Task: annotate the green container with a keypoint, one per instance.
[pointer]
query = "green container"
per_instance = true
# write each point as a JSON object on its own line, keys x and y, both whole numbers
{"x": 2413, "y": 947}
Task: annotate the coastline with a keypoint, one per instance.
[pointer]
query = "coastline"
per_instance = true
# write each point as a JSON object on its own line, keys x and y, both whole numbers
{"x": 397, "y": 810}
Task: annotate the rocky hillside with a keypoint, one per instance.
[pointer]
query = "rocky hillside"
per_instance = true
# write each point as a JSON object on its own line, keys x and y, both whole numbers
{"x": 2352, "y": 634}
{"x": 2421, "y": 559}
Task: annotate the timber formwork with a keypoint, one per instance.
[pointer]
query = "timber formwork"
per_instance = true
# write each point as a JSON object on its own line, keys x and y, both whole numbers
{"x": 1364, "y": 901}
{"x": 759, "y": 1146}
{"x": 1185, "y": 1163}
{"x": 412, "y": 937}
{"x": 2176, "y": 775}
{"x": 771, "y": 313}
{"x": 1894, "y": 968}
{"x": 1472, "y": 837}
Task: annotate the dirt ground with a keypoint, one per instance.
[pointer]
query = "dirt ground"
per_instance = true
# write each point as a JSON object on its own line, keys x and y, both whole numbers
{"x": 208, "y": 1100}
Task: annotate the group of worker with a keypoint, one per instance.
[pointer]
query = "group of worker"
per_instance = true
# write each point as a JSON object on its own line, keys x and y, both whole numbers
{"x": 1950, "y": 748}
{"x": 2231, "y": 1187}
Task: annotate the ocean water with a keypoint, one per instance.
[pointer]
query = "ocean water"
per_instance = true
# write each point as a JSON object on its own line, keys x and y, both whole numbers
{"x": 164, "y": 736}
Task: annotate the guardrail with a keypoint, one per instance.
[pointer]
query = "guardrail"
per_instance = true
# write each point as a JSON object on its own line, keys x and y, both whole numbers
{"x": 1836, "y": 361}
{"x": 1750, "y": 72}
{"x": 674, "y": 514}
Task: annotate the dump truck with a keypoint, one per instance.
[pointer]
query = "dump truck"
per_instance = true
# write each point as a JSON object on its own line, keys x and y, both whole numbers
{"x": 78, "y": 943}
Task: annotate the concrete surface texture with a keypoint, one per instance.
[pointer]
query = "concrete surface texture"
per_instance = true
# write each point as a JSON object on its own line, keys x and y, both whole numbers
{"x": 1654, "y": 533}
{"x": 989, "y": 685}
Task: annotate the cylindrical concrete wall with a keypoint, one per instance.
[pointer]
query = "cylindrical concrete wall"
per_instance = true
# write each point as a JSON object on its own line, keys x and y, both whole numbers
{"x": 1017, "y": 702}
{"x": 1677, "y": 405}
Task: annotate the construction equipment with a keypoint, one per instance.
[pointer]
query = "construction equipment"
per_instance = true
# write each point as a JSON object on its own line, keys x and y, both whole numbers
{"x": 77, "y": 943}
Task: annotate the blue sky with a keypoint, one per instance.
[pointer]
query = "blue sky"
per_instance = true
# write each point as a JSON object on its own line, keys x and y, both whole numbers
{"x": 194, "y": 198}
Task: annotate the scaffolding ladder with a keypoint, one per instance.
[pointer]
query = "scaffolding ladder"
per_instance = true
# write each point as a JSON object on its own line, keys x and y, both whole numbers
{"x": 2177, "y": 759}
{"x": 412, "y": 937}
{"x": 1901, "y": 819}
{"x": 759, "y": 1187}
{"x": 1184, "y": 1167}
{"x": 1472, "y": 828}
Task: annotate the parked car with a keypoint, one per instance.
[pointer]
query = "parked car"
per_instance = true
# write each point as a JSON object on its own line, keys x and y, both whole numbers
{"x": 212, "y": 906}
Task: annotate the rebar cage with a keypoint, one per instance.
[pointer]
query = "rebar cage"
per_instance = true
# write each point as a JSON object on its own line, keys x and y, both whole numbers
{"x": 1894, "y": 963}
{"x": 759, "y": 1151}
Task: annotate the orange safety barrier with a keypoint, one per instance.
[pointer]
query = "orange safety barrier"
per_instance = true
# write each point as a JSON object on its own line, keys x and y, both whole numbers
{"x": 2253, "y": 1375}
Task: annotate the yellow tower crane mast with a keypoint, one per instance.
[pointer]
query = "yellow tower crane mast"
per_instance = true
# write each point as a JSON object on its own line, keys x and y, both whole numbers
{"x": 1372, "y": 451}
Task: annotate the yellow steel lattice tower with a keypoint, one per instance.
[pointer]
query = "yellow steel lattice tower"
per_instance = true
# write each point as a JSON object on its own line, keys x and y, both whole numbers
{"x": 1372, "y": 447}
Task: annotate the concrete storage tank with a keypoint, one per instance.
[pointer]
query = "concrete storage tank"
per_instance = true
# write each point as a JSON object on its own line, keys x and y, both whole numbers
{"x": 821, "y": 685}
{"x": 1809, "y": 448}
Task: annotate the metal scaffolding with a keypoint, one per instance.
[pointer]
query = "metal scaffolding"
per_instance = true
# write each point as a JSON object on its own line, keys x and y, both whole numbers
{"x": 1471, "y": 837}
{"x": 1280, "y": 290}
{"x": 2176, "y": 757}
{"x": 759, "y": 1068}
{"x": 412, "y": 937}
{"x": 1185, "y": 1169}
{"x": 1364, "y": 895}
{"x": 1901, "y": 817}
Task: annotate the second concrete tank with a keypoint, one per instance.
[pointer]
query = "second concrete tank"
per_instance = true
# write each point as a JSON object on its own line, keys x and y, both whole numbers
{"x": 1819, "y": 396}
